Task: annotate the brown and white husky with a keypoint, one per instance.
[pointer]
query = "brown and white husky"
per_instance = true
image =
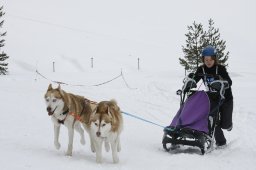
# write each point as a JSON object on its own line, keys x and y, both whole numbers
{"x": 106, "y": 124}
{"x": 71, "y": 111}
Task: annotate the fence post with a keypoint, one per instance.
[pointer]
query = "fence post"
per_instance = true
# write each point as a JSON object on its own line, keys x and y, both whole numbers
{"x": 138, "y": 63}
{"x": 91, "y": 62}
{"x": 53, "y": 66}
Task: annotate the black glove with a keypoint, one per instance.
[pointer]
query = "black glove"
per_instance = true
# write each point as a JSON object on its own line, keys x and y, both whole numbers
{"x": 191, "y": 75}
{"x": 216, "y": 85}
{"x": 189, "y": 85}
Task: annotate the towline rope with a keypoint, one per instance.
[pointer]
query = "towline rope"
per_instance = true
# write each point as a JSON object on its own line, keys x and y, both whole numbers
{"x": 142, "y": 119}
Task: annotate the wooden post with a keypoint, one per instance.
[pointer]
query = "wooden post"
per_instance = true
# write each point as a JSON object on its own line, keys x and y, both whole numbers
{"x": 53, "y": 66}
{"x": 138, "y": 63}
{"x": 92, "y": 62}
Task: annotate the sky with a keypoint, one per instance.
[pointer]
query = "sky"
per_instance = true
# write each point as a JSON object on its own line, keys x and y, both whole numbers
{"x": 150, "y": 30}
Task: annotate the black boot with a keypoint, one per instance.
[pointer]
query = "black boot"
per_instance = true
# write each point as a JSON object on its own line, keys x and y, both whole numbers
{"x": 219, "y": 137}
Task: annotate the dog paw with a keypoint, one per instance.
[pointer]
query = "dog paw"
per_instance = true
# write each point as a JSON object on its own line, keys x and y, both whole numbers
{"x": 57, "y": 145}
{"x": 98, "y": 160}
{"x": 115, "y": 160}
{"x": 68, "y": 153}
{"x": 92, "y": 148}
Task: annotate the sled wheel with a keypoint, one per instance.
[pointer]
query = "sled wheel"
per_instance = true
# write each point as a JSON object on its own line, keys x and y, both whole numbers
{"x": 165, "y": 144}
{"x": 166, "y": 148}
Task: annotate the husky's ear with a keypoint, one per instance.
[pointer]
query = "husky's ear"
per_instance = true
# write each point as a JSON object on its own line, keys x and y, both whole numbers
{"x": 94, "y": 111}
{"x": 62, "y": 93}
{"x": 92, "y": 115}
{"x": 109, "y": 113}
{"x": 49, "y": 87}
{"x": 59, "y": 88}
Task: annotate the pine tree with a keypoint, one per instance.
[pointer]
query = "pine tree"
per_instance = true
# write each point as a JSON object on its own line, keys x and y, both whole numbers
{"x": 197, "y": 39}
{"x": 213, "y": 38}
{"x": 3, "y": 56}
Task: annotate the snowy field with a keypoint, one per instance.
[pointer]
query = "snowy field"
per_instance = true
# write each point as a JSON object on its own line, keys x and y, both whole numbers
{"x": 116, "y": 34}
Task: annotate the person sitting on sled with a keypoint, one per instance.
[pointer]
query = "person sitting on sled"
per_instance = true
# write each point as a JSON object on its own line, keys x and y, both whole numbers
{"x": 211, "y": 67}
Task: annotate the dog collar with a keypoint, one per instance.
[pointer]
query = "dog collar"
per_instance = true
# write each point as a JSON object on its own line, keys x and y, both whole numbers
{"x": 64, "y": 113}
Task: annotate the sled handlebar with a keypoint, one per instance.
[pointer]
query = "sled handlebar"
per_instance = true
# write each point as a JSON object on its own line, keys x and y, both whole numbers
{"x": 192, "y": 75}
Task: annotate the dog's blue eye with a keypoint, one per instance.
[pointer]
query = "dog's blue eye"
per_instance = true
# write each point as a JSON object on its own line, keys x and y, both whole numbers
{"x": 54, "y": 100}
{"x": 103, "y": 124}
{"x": 96, "y": 124}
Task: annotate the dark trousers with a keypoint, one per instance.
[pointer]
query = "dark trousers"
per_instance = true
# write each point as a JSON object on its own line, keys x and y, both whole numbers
{"x": 226, "y": 110}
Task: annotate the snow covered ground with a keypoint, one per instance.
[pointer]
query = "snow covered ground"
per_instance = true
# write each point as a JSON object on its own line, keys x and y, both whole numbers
{"x": 116, "y": 34}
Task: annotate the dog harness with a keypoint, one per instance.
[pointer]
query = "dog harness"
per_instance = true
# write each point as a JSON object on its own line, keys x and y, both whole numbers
{"x": 75, "y": 115}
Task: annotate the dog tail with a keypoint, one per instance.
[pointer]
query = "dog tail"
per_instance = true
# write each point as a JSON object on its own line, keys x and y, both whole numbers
{"x": 113, "y": 101}
{"x": 113, "y": 105}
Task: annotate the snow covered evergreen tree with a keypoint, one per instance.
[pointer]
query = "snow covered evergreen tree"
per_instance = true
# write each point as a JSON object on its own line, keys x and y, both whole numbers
{"x": 3, "y": 56}
{"x": 193, "y": 48}
{"x": 197, "y": 39}
{"x": 212, "y": 38}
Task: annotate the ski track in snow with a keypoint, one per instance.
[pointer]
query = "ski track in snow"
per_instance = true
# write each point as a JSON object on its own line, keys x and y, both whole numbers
{"x": 151, "y": 101}
{"x": 154, "y": 100}
{"x": 37, "y": 39}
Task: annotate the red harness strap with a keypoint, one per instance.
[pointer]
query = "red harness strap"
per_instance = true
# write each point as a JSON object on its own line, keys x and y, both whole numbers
{"x": 76, "y": 116}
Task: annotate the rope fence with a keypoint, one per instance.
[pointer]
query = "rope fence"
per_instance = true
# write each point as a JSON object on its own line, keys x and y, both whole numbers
{"x": 99, "y": 84}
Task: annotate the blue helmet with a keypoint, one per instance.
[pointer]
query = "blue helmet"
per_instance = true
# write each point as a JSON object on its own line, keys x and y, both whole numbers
{"x": 209, "y": 51}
